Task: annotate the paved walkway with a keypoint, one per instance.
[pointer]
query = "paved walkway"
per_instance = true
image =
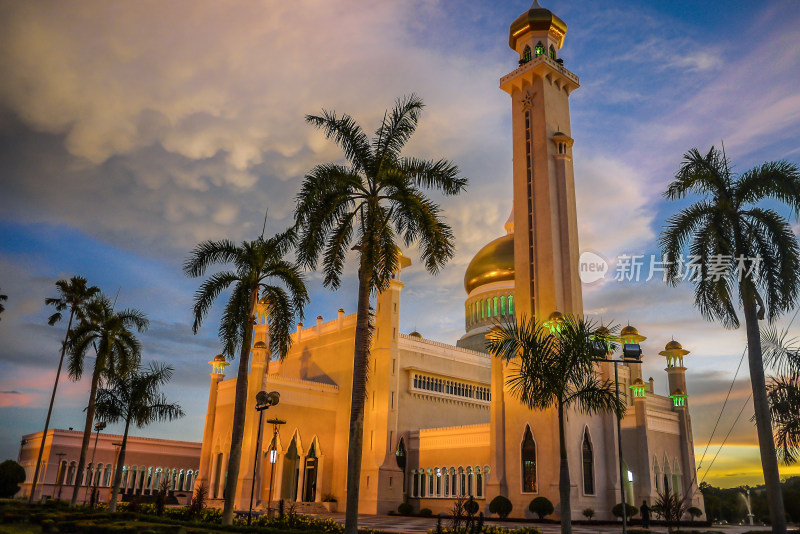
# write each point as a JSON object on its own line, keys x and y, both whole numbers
{"x": 421, "y": 525}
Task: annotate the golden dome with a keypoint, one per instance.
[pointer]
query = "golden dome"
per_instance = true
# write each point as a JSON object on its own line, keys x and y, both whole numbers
{"x": 536, "y": 18}
{"x": 415, "y": 334}
{"x": 678, "y": 391}
{"x": 492, "y": 263}
{"x": 603, "y": 331}
{"x": 638, "y": 382}
{"x": 673, "y": 345}
{"x": 219, "y": 358}
{"x": 259, "y": 345}
{"x": 629, "y": 331}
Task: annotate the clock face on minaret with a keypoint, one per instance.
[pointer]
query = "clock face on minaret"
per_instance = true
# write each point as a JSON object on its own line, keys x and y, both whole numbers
{"x": 545, "y": 219}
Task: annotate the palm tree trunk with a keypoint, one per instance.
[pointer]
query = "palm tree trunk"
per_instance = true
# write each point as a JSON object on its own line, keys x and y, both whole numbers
{"x": 87, "y": 434}
{"x": 237, "y": 432}
{"x": 50, "y": 408}
{"x": 766, "y": 441}
{"x": 112, "y": 506}
{"x": 563, "y": 479}
{"x": 356, "y": 439}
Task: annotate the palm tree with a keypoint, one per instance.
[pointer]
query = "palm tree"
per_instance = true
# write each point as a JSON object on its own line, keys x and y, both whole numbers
{"x": 73, "y": 295}
{"x": 2, "y": 299}
{"x": 554, "y": 368}
{"x": 783, "y": 391}
{"x": 135, "y": 397}
{"x": 372, "y": 201}
{"x": 257, "y": 267}
{"x": 739, "y": 245}
{"x": 117, "y": 351}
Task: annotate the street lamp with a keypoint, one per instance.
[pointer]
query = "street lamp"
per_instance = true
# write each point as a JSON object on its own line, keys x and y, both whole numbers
{"x": 264, "y": 401}
{"x": 273, "y": 457}
{"x": 97, "y": 428}
{"x": 631, "y": 354}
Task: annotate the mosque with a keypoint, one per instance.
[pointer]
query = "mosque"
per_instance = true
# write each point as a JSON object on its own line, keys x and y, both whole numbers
{"x": 439, "y": 421}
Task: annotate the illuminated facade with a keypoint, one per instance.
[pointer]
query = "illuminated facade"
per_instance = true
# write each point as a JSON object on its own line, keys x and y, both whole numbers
{"x": 439, "y": 420}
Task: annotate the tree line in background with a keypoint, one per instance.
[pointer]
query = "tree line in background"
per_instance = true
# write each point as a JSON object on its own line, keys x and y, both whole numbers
{"x": 376, "y": 202}
{"x": 730, "y": 504}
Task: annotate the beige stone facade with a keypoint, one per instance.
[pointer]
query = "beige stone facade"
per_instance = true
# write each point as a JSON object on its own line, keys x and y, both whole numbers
{"x": 440, "y": 421}
{"x": 148, "y": 461}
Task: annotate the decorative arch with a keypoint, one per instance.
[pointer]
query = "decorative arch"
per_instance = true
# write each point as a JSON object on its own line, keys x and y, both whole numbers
{"x": 291, "y": 468}
{"x": 587, "y": 461}
{"x": 656, "y": 474}
{"x": 528, "y": 461}
{"x": 539, "y": 50}
{"x": 526, "y": 54}
{"x": 667, "y": 475}
{"x": 552, "y": 52}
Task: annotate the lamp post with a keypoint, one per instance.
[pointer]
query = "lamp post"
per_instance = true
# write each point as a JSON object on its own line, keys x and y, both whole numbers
{"x": 61, "y": 475}
{"x": 264, "y": 401}
{"x": 97, "y": 428}
{"x": 631, "y": 353}
{"x": 273, "y": 457}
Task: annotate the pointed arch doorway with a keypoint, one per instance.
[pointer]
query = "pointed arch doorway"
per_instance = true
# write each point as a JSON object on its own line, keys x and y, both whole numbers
{"x": 310, "y": 474}
{"x": 291, "y": 472}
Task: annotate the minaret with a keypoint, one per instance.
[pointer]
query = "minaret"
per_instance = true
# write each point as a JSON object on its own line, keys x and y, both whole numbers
{"x": 218, "y": 365}
{"x": 545, "y": 245}
{"x": 545, "y": 221}
{"x": 676, "y": 372}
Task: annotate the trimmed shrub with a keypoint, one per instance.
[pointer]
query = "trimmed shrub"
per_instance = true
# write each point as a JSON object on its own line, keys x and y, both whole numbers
{"x": 541, "y": 506}
{"x": 630, "y": 510}
{"x": 405, "y": 508}
{"x": 694, "y": 511}
{"x": 501, "y": 506}
{"x": 11, "y": 476}
{"x": 588, "y": 513}
{"x": 426, "y": 512}
{"x": 471, "y": 506}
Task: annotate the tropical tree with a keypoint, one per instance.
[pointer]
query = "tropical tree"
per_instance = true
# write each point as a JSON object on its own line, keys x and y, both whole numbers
{"x": 783, "y": 391}
{"x": 135, "y": 397}
{"x": 73, "y": 295}
{"x": 374, "y": 200}
{"x": 551, "y": 365}
{"x": 117, "y": 351}
{"x": 738, "y": 246}
{"x": 3, "y": 298}
{"x": 259, "y": 267}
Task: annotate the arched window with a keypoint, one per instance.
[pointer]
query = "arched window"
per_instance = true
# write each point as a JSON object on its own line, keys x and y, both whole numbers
{"x": 446, "y": 481}
{"x": 503, "y": 305}
{"x": 415, "y": 482}
{"x": 588, "y": 464}
{"x": 453, "y": 482}
{"x": 657, "y": 474}
{"x": 470, "y": 482}
{"x": 495, "y": 305}
{"x": 510, "y": 304}
{"x": 478, "y": 482}
{"x": 462, "y": 481}
{"x": 431, "y": 476}
{"x": 552, "y": 52}
{"x": 539, "y": 49}
{"x": 526, "y": 54}
{"x": 528, "y": 462}
{"x": 438, "y": 482}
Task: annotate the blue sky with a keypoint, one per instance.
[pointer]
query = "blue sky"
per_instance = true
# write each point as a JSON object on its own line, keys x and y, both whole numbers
{"x": 131, "y": 131}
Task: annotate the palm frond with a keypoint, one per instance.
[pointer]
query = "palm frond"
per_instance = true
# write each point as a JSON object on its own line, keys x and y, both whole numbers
{"x": 779, "y": 180}
{"x": 209, "y": 253}
{"x": 441, "y": 175}
{"x": 346, "y": 133}
{"x": 207, "y": 293}
{"x": 396, "y": 129}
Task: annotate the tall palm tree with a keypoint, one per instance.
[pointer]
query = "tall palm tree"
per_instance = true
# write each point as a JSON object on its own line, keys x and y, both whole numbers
{"x": 117, "y": 351}
{"x": 374, "y": 200}
{"x": 783, "y": 391}
{"x": 135, "y": 397}
{"x": 3, "y": 298}
{"x": 739, "y": 245}
{"x": 258, "y": 267}
{"x": 554, "y": 368}
{"x": 73, "y": 295}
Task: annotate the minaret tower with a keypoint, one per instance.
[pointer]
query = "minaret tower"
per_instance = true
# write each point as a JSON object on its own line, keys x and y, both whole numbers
{"x": 546, "y": 233}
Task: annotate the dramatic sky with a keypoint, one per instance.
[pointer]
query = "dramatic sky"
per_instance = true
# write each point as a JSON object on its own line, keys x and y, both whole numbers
{"x": 130, "y": 131}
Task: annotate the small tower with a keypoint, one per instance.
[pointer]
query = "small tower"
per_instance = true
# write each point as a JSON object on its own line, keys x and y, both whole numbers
{"x": 218, "y": 365}
{"x": 674, "y": 353}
